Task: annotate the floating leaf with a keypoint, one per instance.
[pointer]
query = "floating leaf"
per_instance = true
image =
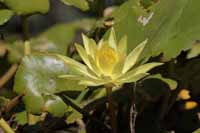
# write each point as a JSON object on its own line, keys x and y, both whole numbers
{"x": 82, "y": 4}
{"x": 24, "y": 7}
{"x": 21, "y": 118}
{"x": 170, "y": 27}
{"x": 5, "y": 15}
{"x": 172, "y": 83}
{"x": 197, "y": 131}
{"x": 194, "y": 51}
{"x": 37, "y": 78}
{"x": 54, "y": 40}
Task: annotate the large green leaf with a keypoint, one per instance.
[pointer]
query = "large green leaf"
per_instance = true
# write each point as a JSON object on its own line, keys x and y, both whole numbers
{"x": 82, "y": 4}
{"x": 37, "y": 78}
{"x": 24, "y": 7}
{"x": 197, "y": 131}
{"x": 170, "y": 30}
{"x": 5, "y": 15}
{"x": 54, "y": 40}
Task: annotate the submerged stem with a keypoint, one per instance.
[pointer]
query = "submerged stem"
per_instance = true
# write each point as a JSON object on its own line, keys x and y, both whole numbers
{"x": 111, "y": 110}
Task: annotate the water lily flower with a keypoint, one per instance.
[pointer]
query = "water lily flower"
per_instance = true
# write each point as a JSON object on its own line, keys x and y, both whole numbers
{"x": 107, "y": 62}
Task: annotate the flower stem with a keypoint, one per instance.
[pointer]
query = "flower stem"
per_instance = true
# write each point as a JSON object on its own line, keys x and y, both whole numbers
{"x": 4, "y": 125}
{"x": 111, "y": 110}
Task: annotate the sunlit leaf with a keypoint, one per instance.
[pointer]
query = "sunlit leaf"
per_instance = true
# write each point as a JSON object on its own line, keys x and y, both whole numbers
{"x": 170, "y": 29}
{"x": 5, "y": 15}
{"x": 172, "y": 83}
{"x": 24, "y": 7}
{"x": 82, "y": 4}
{"x": 38, "y": 78}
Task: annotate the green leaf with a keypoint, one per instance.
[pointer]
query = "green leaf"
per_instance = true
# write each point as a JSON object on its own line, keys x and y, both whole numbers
{"x": 5, "y": 15}
{"x": 21, "y": 118}
{"x": 75, "y": 115}
{"x": 170, "y": 29}
{"x": 37, "y": 78}
{"x": 197, "y": 131}
{"x": 24, "y": 7}
{"x": 54, "y": 40}
{"x": 194, "y": 51}
{"x": 81, "y": 4}
{"x": 171, "y": 83}
{"x": 55, "y": 105}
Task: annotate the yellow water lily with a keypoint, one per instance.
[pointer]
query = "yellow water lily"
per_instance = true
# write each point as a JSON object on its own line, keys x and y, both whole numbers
{"x": 107, "y": 63}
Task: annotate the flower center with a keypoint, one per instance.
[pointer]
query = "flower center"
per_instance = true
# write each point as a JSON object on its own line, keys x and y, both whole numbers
{"x": 106, "y": 59}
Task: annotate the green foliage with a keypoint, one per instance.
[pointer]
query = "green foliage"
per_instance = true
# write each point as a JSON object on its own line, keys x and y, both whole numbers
{"x": 194, "y": 51}
{"x": 46, "y": 93}
{"x": 197, "y": 131}
{"x": 37, "y": 78}
{"x": 21, "y": 118}
{"x": 5, "y": 15}
{"x": 82, "y": 4}
{"x": 172, "y": 84}
{"x": 24, "y": 7}
{"x": 170, "y": 30}
{"x": 54, "y": 40}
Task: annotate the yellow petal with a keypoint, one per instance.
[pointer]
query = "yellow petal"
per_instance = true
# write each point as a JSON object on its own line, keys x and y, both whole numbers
{"x": 122, "y": 46}
{"x": 132, "y": 58}
{"x": 184, "y": 94}
{"x": 78, "y": 77}
{"x": 141, "y": 69}
{"x": 107, "y": 58}
{"x": 83, "y": 55}
{"x": 82, "y": 69}
{"x": 134, "y": 78}
{"x": 86, "y": 42}
{"x": 95, "y": 68}
{"x": 92, "y": 48}
{"x": 92, "y": 82}
{"x": 190, "y": 105}
{"x": 117, "y": 70}
{"x": 112, "y": 39}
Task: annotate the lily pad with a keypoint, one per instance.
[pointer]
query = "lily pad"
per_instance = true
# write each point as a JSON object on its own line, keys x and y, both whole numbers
{"x": 81, "y": 4}
{"x": 37, "y": 78}
{"x": 171, "y": 26}
{"x": 5, "y": 15}
{"x": 24, "y": 7}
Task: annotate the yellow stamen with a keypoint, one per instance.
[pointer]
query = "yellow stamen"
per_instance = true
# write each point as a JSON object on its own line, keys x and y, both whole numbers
{"x": 107, "y": 57}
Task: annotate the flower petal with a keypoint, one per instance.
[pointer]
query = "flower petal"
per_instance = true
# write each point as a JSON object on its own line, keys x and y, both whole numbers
{"x": 83, "y": 55}
{"x": 132, "y": 58}
{"x": 112, "y": 39}
{"x": 82, "y": 69}
{"x": 117, "y": 70}
{"x": 92, "y": 83}
{"x": 92, "y": 48}
{"x": 86, "y": 44}
{"x": 134, "y": 78}
{"x": 122, "y": 46}
{"x": 142, "y": 69}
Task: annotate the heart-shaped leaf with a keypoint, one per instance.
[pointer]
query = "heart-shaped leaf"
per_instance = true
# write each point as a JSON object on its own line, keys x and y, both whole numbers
{"x": 171, "y": 27}
{"x": 24, "y": 7}
{"x": 82, "y": 4}
{"x": 37, "y": 78}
